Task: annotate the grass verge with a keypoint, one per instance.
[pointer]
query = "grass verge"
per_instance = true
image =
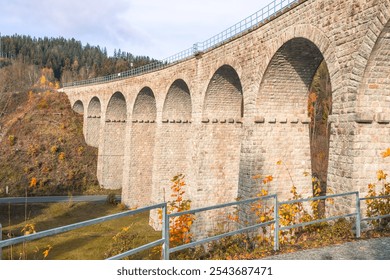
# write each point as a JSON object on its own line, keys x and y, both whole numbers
{"x": 89, "y": 243}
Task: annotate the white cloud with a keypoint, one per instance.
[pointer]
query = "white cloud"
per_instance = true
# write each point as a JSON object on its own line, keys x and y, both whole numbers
{"x": 151, "y": 27}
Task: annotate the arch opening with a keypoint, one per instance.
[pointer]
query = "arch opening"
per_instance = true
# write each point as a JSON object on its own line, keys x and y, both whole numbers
{"x": 178, "y": 105}
{"x": 374, "y": 91}
{"x": 220, "y": 135}
{"x": 112, "y": 154}
{"x": 116, "y": 108}
{"x": 224, "y": 97}
{"x": 143, "y": 130}
{"x": 93, "y": 122}
{"x": 94, "y": 107}
{"x": 145, "y": 106}
{"x": 78, "y": 107}
{"x": 374, "y": 104}
{"x": 295, "y": 101}
{"x": 172, "y": 151}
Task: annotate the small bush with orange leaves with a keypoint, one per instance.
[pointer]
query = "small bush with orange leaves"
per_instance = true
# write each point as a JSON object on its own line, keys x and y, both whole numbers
{"x": 28, "y": 253}
{"x": 290, "y": 214}
{"x": 379, "y": 206}
{"x": 179, "y": 227}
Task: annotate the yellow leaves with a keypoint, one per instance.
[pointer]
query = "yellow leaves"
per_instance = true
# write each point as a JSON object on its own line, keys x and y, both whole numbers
{"x": 386, "y": 153}
{"x": 47, "y": 251}
{"x": 265, "y": 180}
{"x": 80, "y": 151}
{"x": 42, "y": 80}
{"x": 61, "y": 156}
{"x": 313, "y": 97}
{"x": 379, "y": 206}
{"x": 125, "y": 229}
{"x": 28, "y": 229}
{"x": 279, "y": 162}
{"x": 54, "y": 149}
{"x": 268, "y": 179}
{"x": 33, "y": 182}
{"x": 233, "y": 218}
{"x": 180, "y": 226}
{"x": 263, "y": 192}
{"x": 381, "y": 175}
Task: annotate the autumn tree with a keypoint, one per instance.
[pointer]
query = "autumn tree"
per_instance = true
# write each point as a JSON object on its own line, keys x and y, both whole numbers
{"x": 319, "y": 109}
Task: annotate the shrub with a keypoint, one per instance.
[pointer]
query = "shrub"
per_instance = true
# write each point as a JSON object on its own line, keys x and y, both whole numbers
{"x": 111, "y": 199}
{"x": 379, "y": 206}
{"x": 11, "y": 140}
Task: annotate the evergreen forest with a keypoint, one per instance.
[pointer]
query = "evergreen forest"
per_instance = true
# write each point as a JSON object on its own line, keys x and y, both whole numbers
{"x": 23, "y": 57}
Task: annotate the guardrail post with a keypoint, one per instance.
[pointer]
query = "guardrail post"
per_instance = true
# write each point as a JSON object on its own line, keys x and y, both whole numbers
{"x": 1, "y": 238}
{"x": 358, "y": 215}
{"x": 195, "y": 48}
{"x": 165, "y": 233}
{"x": 276, "y": 218}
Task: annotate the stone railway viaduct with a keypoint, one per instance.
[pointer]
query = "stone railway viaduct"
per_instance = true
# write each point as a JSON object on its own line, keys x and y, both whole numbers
{"x": 222, "y": 116}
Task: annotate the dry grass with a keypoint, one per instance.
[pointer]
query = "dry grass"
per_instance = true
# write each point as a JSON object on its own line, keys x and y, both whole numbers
{"x": 89, "y": 243}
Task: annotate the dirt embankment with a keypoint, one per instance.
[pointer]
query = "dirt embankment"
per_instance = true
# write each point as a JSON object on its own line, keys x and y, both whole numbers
{"x": 42, "y": 148}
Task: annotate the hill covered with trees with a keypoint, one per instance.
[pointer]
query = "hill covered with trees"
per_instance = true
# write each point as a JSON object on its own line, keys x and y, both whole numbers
{"x": 68, "y": 58}
{"x": 42, "y": 147}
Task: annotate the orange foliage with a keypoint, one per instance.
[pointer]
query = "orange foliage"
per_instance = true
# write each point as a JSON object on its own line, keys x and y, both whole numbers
{"x": 179, "y": 227}
{"x": 33, "y": 182}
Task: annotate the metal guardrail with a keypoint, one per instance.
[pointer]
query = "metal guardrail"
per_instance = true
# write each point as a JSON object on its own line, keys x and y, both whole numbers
{"x": 55, "y": 231}
{"x": 375, "y": 217}
{"x": 164, "y": 241}
{"x": 356, "y": 214}
{"x": 168, "y": 250}
{"x": 54, "y": 199}
{"x": 239, "y": 28}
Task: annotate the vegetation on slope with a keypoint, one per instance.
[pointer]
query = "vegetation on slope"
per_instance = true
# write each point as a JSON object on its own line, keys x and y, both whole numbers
{"x": 42, "y": 147}
{"x": 68, "y": 58}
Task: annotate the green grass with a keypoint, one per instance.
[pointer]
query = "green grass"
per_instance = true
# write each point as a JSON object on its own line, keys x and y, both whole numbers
{"x": 89, "y": 243}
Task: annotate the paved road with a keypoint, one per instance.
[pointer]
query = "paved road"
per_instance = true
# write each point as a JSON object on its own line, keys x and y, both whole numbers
{"x": 46, "y": 199}
{"x": 372, "y": 249}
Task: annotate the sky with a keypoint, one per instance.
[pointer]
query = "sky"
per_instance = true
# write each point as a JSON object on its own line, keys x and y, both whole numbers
{"x": 154, "y": 28}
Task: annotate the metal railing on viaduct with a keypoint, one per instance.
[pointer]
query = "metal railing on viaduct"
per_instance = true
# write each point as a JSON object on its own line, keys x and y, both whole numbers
{"x": 164, "y": 240}
{"x": 273, "y": 9}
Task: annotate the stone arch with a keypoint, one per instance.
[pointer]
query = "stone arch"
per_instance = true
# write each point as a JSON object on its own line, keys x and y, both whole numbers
{"x": 114, "y": 142}
{"x": 173, "y": 149}
{"x": 286, "y": 82}
{"x": 116, "y": 108}
{"x": 178, "y": 105}
{"x": 318, "y": 39}
{"x": 374, "y": 90}
{"x": 375, "y": 30}
{"x": 94, "y": 107}
{"x": 219, "y": 136}
{"x": 145, "y": 109}
{"x": 373, "y": 112}
{"x": 94, "y": 112}
{"x": 143, "y": 134}
{"x": 282, "y": 125}
{"x": 78, "y": 107}
{"x": 224, "y": 97}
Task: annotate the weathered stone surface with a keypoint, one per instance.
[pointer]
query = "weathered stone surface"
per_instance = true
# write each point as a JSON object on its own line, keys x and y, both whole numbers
{"x": 261, "y": 78}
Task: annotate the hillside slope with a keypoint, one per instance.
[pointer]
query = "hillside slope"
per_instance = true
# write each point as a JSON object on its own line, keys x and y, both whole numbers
{"x": 42, "y": 148}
